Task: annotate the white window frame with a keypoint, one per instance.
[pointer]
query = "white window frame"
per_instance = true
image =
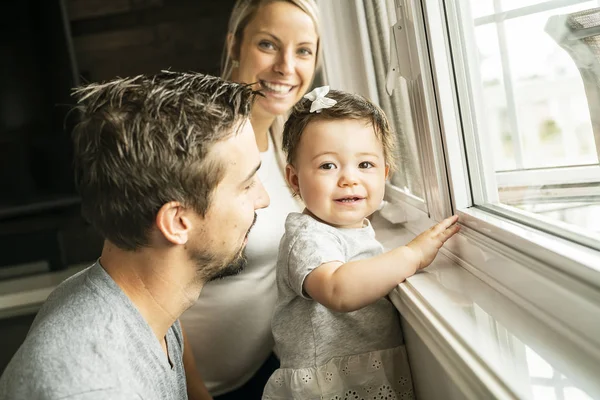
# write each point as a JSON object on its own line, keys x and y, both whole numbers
{"x": 546, "y": 274}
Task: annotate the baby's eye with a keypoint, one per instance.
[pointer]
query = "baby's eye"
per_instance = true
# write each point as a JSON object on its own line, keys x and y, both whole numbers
{"x": 327, "y": 166}
{"x": 366, "y": 164}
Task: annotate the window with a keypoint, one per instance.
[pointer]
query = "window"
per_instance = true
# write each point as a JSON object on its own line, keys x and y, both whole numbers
{"x": 516, "y": 238}
{"x": 532, "y": 91}
{"x": 480, "y": 130}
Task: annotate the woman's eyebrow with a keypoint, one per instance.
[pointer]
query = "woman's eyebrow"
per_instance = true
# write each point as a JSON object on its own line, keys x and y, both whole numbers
{"x": 279, "y": 40}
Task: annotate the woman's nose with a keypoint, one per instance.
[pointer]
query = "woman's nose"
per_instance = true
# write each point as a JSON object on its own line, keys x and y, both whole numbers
{"x": 285, "y": 64}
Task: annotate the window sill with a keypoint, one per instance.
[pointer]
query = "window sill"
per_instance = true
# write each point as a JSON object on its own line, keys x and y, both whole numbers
{"x": 489, "y": 345}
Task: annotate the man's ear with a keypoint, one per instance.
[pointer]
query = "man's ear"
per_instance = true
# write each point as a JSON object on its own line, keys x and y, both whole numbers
{"x": 173, "y": 221}
{"x": 387, "y": 171}
{"x": 292, "y": 178}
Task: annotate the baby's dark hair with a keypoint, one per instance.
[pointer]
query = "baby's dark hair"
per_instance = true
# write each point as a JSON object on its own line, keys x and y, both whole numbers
{"x": 348, "y": 106}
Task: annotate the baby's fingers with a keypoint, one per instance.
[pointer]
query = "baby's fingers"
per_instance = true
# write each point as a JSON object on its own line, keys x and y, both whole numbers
{"x": 445, "y": 224}
{"x": 449, "y": 232}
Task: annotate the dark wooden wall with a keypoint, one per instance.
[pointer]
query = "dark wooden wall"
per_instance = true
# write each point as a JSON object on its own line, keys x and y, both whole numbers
{"x": 128, "y": 37}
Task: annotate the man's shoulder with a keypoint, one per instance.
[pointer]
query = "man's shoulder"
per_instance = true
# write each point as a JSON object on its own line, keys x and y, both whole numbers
{"x": 60, "y": 354}
{"x": 77, "y": 305}
{"x": 71, "y": 367}
{"x": 77, "y": 335}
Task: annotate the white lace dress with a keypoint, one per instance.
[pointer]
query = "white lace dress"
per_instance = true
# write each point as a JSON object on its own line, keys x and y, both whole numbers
{"x": 376, "y": 375}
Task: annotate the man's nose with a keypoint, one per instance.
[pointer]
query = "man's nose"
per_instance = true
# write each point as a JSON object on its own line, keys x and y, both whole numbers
{"x": 263, "y": 199}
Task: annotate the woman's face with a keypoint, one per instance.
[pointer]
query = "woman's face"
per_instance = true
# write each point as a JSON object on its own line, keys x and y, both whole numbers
{"x": 278, "y": 51}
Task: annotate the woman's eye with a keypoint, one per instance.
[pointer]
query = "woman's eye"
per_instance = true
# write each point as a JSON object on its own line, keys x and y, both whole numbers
{"x": 266, "y": 45}
{"x": 366, "y": 164}
{"x": 305, "y": 52}
{"x": 327, "y": 166}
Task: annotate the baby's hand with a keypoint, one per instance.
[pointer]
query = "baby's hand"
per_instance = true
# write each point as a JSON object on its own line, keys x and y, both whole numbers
{"x": 425, "y": 246}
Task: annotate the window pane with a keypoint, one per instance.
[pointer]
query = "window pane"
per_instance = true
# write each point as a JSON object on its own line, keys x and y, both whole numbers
{"x": 495, "y": 105}
{"x": 482, "y": 7}
{"x": 536, "y": 89}
{"x": 515, "y": 4}
{"x": 572, "y": 393}
{"x": 552, "y": 114}
{"x": 544, "y": 393}
{"x": 536, "y": 110}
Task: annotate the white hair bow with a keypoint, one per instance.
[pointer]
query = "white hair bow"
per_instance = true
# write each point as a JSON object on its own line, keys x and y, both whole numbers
{"x": 319, "y": 101}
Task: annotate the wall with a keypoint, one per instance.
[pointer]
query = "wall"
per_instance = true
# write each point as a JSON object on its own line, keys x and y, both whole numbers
{"x": 127, "y": 37}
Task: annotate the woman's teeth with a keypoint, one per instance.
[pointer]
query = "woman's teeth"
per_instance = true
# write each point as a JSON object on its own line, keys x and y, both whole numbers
{"x": 275, "y": 87}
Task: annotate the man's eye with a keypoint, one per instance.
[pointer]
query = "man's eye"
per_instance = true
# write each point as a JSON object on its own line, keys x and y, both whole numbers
{"x": 251, "y": 185}
{"x": 366, "y": 164}
{"x": 327, "y": 166}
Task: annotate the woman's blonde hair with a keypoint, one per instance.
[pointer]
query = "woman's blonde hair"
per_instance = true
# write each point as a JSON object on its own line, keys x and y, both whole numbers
{"x": 243, "y": 12}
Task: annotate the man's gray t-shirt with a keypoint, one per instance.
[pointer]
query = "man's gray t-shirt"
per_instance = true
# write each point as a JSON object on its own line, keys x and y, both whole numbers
{"x": 306, "y": 332}
{"x": 88, "y": 341}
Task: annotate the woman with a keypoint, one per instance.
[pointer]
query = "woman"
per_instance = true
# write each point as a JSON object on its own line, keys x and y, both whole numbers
{"x": 274, "y": 44}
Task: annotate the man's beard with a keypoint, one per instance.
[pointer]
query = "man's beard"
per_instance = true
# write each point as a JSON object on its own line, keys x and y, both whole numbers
{"x": 232, "y": 268}
{"x": 210, "y": 268}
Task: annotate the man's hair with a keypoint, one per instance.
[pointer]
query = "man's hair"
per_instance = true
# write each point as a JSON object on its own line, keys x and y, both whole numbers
{"x": 348, "y": 106}
{"x": 142, "y": 142}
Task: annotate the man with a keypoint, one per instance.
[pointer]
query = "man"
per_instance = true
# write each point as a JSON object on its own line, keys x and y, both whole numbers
{"x": 166, "y": 168}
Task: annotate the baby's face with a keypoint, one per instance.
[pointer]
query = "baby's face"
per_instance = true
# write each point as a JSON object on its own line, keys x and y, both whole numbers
{"x": 339, "y": 171}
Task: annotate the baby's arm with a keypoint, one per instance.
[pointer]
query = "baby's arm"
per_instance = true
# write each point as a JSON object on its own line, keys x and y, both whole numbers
{"x": 353, "y": 285}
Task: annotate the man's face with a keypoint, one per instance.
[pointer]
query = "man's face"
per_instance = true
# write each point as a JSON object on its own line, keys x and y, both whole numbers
{"x": 216, "y": 247}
